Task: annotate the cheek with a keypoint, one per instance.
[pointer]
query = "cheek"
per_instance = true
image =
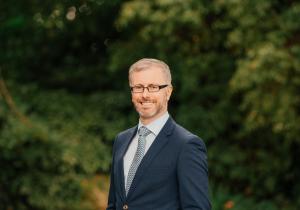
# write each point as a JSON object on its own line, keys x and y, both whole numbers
{"x": 166, "y": 96}
{"x": 134, "y": 98}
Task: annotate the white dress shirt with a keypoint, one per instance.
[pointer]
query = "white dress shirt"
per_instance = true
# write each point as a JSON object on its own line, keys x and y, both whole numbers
{"x": 155, "y": 128}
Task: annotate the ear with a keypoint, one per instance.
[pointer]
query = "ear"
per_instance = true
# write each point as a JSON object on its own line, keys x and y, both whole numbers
{"x": 169, "y": 92}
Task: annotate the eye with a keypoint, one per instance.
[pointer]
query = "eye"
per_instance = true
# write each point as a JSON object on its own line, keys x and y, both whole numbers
{"x": 153, "y": 87}
{"x": 138, "y": 87}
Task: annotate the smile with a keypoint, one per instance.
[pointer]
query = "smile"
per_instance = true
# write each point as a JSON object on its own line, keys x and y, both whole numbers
{"x": 146, "y": 103}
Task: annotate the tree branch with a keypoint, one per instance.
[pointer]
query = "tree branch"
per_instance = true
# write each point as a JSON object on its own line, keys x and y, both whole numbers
{"x": 10, "y": 102}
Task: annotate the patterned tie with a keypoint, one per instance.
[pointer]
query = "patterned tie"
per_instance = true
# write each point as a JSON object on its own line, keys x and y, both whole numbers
{"x": 139, "y": 154}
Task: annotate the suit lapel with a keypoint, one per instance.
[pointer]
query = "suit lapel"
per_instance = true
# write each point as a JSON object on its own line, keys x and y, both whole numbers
{"x": 120, "y": 163}
{"x": 160, "y": 141}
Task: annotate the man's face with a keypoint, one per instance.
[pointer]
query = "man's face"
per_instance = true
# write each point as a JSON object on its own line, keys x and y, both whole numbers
{"x": 150, "y": 105}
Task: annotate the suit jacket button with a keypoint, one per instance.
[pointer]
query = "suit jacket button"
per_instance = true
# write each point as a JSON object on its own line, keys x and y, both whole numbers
{"x": 125, "y": 207}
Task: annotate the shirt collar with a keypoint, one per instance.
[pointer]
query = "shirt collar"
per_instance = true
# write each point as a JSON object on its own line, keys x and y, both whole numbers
{"x": 157, "y": 124}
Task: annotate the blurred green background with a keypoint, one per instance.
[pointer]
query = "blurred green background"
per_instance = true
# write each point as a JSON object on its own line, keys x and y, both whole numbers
{"x": 64, "y": 95}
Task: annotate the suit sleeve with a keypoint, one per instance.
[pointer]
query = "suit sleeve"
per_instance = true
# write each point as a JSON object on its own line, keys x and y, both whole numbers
{"x": 192, "y": 173}
{"x": 111, "y": 205}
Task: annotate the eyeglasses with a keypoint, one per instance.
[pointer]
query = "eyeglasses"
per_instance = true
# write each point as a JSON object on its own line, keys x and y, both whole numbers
{"x": 150, "y": 88}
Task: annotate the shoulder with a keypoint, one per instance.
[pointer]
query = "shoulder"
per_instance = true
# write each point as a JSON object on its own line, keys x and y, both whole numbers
{"x": 185, "y": 134}
{"x": 186, "y": 138}
{"x": 128, "y": 133}
{"x": 192, "y": 169}
{"x": 193, "y": 152}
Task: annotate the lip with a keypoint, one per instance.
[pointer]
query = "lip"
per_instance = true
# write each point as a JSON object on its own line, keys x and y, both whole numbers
{"x": 146, "y": 104}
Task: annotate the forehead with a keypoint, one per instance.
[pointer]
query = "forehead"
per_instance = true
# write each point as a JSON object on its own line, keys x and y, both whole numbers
{"x": 152, "y": 75}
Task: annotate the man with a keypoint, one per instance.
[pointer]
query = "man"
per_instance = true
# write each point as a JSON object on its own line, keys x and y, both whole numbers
{"x": 157, "y": 165}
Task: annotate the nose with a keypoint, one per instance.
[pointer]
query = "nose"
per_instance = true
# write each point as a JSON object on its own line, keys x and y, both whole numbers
{"x": 145, "y": 93}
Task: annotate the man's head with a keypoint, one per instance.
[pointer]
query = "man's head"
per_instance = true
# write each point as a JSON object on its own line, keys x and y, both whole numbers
{"x": 151, "y": 88}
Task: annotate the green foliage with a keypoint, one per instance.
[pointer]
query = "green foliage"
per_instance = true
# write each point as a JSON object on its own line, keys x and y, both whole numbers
{"x": 223, "y": 200}
{"x": 38, "y": 171}
{"x": 72, "y": 122}
{"x": 65, "y": 145}
{"x": 235, "y": 67}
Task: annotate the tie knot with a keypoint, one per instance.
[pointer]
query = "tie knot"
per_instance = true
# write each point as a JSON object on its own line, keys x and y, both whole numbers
{"x": 143, "y": 131}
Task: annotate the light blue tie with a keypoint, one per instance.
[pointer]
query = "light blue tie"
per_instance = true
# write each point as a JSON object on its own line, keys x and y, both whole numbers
{"x": 139, "y": 154}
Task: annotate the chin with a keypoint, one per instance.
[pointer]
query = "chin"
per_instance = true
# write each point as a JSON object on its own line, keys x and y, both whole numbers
{"x": 146, "y": 115}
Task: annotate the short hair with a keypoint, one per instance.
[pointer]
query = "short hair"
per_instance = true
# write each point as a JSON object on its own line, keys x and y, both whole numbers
{"x": 146, "y": 63}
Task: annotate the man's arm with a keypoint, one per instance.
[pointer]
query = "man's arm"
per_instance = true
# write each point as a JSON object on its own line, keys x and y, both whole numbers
{"x": 193, "y": 176}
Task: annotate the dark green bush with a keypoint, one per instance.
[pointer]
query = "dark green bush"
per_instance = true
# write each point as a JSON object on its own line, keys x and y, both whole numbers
{"x": 235, "y": 67}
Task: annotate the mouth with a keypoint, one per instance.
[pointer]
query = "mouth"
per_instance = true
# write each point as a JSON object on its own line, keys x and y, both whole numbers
{"x": 146, "y": 103}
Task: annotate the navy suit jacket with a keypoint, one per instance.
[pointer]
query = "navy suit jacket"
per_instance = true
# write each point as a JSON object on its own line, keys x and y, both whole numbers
{"x": 173, "y": 174}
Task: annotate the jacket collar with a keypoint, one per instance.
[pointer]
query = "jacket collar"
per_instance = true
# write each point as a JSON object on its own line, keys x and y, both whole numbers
{"x": 159, "y": 142}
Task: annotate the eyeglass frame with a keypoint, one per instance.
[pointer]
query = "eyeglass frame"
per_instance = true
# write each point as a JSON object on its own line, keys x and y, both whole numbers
{"x": 147, "y": 87}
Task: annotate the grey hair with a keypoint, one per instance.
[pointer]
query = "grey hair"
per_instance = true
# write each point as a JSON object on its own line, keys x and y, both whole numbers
{"x": 146, "y": 63}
